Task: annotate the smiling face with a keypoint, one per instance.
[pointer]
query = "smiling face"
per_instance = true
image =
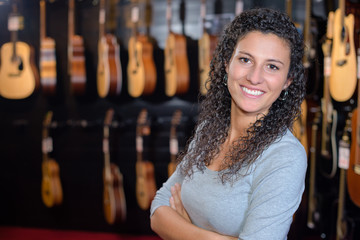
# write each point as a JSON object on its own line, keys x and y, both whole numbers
{"x": 257, "y": 72}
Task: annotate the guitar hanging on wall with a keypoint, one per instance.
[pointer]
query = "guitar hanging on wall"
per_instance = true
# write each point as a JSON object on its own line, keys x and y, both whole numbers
{"x": 145, "y": 179}
{"x": 109, "y": 72}
{"x": 353, "y": 173}
{"x": 76, "y": 55}
{"x": 329, "y": 154}
{"x": 207, "y": 44}
{"x": 47, "y": 59}
{"x": 19, "y": 77}
{"x": 141, "y": 70}
{"x": 114, "y": 201}
{"x": 343, "y": 56}
{"x": 51, "y": 190}
{"x": 173, "y": 141}
{"x": 177, "y": 73}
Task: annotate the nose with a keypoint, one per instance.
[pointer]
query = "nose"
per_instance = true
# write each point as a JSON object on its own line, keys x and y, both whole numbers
{"x": 255, "y": 75}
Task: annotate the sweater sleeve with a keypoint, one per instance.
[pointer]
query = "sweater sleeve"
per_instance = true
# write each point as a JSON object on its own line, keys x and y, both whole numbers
{"x": 278, "y": 184}
{"x": 163, "y": 195}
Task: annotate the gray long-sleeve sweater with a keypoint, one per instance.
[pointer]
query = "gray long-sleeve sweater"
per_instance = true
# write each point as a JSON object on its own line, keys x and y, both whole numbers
{"x": 258, "y": 206}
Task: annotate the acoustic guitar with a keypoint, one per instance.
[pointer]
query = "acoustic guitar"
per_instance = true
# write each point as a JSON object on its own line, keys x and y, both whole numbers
{"x": 145, "y": 179}
{"x": 353, "y": 173}
{"x": 51, "y": 190}
{"x": 207, "y": 44}
{"x": 329, "y": 154}
{"x": 48, "y": 75}
{"x": 113, "y": 195}
{"x": 19, "y": 77}
{"x": 76, "y": 55}
{"x": 141, "y": 70}
{"x": 109, "y": 72}
{"x": 177, "y": 73}
{"x": 173, "y": 141}
{"x": 343, "y": 56}
{"x": 344, "y": 155}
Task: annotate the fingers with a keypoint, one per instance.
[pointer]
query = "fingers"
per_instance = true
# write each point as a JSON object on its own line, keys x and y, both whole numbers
{"x": 175, "y": 199}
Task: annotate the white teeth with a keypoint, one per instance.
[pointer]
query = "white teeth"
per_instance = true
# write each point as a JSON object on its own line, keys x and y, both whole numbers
{"x": 252, "y": 92}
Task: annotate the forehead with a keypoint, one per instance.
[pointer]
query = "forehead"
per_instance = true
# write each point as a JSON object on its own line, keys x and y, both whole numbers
{"x": 265, "y": 43}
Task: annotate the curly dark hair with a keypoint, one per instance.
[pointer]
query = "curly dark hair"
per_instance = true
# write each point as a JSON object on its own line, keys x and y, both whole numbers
{"x": 214, "y": 117}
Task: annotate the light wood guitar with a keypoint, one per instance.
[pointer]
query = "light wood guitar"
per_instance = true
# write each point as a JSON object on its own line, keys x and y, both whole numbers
{"x": 76, "y": 55}
{"x": 19, "y": 76}
{"x": 109, "y": 72}
{"x": 113, "y": 195}
{"x": 173, "y": 141}
{"x": 329, "y": 114}
{"x": 343, "y": 56}
{"x": 141, "y": 70}
{"x": 207, "y": 44}
{"x": 51, "y": 190}
{"x": 145, "y": 178}
{"x": 48, "y": 74}
{"x": 177, "y": 73}
{"x": 353, "y": 173}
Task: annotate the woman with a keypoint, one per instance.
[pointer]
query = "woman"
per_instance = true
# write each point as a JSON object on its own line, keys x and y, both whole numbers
{"x": 242, "y": 175}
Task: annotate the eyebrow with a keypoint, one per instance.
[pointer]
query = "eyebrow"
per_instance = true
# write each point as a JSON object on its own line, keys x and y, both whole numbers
{"x": 271, "y": 59}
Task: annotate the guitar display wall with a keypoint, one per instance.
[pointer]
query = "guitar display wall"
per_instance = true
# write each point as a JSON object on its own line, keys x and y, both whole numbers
{"x": 77, "y": 126}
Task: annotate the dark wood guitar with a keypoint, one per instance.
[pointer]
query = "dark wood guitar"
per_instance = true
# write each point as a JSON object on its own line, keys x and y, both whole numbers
{"x": 344, "y": 156}
{"x": 114, "y": 197}
{"x": 51, "y": 190}
{"x": 329, "y": 154}
{"x": 76, "y": 55}
{"x": 145, "y": 179}
{"x": 207, "y": 44}
{"x": 141, "y": 68}
{"x": 353, "y": 173}
{"x": 177, "y": 75}
{"x": 109, "y": 72}
{"x": 173, "y": 141}
{"x": 343, "y": 56}
{"x": 48, "y": 75}
{"x": 19, "y": 76}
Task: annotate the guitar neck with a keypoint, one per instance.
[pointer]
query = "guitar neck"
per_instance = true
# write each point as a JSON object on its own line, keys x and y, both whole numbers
{"x": 102, "y": 15}
{"x": 42, "y": 19}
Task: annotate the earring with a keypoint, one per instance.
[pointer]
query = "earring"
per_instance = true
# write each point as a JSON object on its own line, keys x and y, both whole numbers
{"x": 283, "y": 95}
{"x": 225, "y": 79}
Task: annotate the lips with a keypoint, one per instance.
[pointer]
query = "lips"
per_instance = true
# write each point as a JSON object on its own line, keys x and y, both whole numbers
{"x": 252, "y": 91}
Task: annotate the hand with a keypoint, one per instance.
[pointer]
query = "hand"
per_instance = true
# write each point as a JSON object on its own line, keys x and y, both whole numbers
{"x": 176, "y": 203}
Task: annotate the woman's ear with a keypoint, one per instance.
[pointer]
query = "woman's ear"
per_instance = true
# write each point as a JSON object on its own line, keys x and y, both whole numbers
{"x": 287, "y": 83}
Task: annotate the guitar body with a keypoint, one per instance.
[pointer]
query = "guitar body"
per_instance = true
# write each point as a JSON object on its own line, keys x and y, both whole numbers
{"x": 343, "y": 59}
{"x": 77, "y": 65}
{"x": 114, "y": 65}
{"x": 145, "y": 184}
{"x": 48, "y": 66}
{"x": 207, "y": 44}
{"x": 120, "y": 202}
{"x": 141, "y": 67}
{"x": 353, "y": 178}
{"x": 19, "y": 77}
{"x": 177, "y": 76}
{"x": 51, "y": 190}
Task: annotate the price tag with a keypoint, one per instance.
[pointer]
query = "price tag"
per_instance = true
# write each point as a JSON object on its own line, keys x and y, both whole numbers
{"x": 327, "y": 66}
{"x": 13, "y": 23}
{"x": 47, "y": 145}
{"x": 174, "y": 146}
{"x": 135, "y": 14}
{"x": 344, "y": 155}
{"x": 139, "y": 144}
